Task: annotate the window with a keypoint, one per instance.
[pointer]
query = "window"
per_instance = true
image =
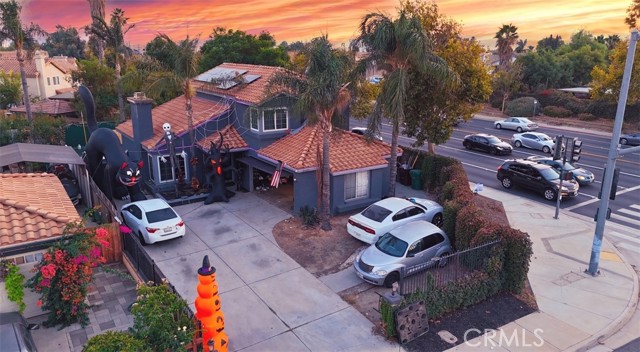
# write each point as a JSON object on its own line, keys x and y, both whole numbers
{"x": 254, "y": 117}
{"x": 432, "y": 240}
{"x": 402, "y": 214}
{"x": 275, "y": 119}
{"x": 48, "y": 81}
{"x": 135, "y": 211}
{"x": 56, "y": 80}
{"x": 413, "y": 211}
{"x": 164, "y": 168}
{"x": 356, "y": 185}
{"x": 150, "y": 163}
{"x": 415, "y": 248}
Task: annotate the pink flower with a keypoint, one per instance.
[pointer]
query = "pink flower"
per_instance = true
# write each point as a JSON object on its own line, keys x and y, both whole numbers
{"x": 101, "y": 232}
{"x": 104, "y": 243}
{"x": 80, "y": 259}
{"x": 45, "y": 283}
{"x": 48, "y": 271}
{"x": 39, "y": 303}
{"x": 125, "y": 229}
{"x": 94, "y": 252}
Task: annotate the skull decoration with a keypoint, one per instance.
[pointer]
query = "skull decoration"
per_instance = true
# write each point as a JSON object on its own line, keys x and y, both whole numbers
{"x": 166, "y": 127}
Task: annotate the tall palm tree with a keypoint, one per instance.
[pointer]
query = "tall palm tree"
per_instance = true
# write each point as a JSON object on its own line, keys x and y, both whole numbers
{"x": 507, "y": 37}
{"x": 521, "y": 46}
{"x": 113, "y": 36}
{"x": 396, "y": 46}
{"x": 23, "y": 37}
{"x": 323, "y": 93}
{"x": 97, "y": 11}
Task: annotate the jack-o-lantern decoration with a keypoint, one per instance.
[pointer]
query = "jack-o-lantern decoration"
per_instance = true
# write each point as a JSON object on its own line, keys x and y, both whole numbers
{"x": 208, "y": 308}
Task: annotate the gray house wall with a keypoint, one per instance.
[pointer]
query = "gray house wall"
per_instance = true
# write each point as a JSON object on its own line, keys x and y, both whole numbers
{"x": 377, "y": 178}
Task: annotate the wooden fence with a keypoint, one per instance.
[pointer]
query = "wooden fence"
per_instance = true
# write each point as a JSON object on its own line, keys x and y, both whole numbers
{"x": 113, "y": 252}
{"x": 102, "y": 204}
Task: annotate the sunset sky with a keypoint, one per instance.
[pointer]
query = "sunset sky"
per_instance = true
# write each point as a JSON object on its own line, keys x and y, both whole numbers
{"x": 290, "y": 20}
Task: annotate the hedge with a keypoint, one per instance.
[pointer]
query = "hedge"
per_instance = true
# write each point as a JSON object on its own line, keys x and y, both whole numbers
{"x": 521, "y": 107}
{"x": 556, "y": 111}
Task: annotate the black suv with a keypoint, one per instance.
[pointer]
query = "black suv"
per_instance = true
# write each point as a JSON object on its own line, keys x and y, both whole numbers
{"x": 487, "y": 143}
{"x": 535, "y": 176}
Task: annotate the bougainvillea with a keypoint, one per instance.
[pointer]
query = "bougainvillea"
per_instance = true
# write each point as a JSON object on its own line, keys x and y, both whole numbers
{"x": 63, "y": 276}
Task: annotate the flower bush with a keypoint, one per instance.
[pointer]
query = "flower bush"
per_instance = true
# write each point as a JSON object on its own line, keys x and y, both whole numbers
{"x": 63, "y": 276}
{"x": 10, "y": 274}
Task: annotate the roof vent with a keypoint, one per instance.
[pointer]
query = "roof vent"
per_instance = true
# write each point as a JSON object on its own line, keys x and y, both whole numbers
{"x": 139, "y": 95}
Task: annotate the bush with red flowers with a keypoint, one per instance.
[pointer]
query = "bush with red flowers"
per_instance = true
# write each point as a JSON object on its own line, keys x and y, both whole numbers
{"x": 63, "y": 276}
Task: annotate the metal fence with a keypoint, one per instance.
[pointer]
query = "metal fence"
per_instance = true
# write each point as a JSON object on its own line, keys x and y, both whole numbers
{"x": 444, "y": 269}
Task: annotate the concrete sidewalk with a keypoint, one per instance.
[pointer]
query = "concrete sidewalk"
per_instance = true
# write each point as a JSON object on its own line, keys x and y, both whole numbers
{"x": 576, "y": 310}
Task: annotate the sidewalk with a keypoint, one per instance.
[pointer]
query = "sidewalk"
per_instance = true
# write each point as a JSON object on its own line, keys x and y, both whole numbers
{"x": 576, "y": 309}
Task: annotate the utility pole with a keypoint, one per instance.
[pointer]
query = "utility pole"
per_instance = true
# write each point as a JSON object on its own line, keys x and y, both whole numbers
{"x": 559, "y": 145}
{"x": 614, "y": 153}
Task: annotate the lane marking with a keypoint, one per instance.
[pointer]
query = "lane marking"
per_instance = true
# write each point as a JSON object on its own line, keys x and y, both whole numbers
{"x": 597, "y": 200}
{"x": 630, "y": 212}
{"x": 625, "y": 219}
{"x": 628, "y": 247}
{"x": 625, "y": 237}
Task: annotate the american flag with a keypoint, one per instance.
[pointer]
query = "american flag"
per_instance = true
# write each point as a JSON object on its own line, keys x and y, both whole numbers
{"x": 275, "y": 180}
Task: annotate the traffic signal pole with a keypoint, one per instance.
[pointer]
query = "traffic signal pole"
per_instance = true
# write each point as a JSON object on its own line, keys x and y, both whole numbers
{"x": 613, "y": 155}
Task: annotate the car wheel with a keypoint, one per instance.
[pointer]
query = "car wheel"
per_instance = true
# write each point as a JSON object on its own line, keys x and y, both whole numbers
{"x": 506, "y": 183}
{"x": 141, "y": 238}
{"x": 466, "y": 145}
{"x": 499, "y": 126}
{"x": 624, "y": 141}
{"x": 494, "y": 151}
{"x": 518, "y": 144}
{"x": 391, "y": 278}
{"x": 519, "y": 129}
{"x": 549, "y": 194}
{"x": 437, "y": 220}
{"x": 546, "y": 149}
{"x": 444, "y": 261}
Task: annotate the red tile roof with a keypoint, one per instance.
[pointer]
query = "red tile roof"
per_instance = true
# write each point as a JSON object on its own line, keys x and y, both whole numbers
{"x": 9, "y": 63}
{"x": 174, "y": 113}
{"x": 231, "y": 138}
{"x": 348, "y": 151}
{"x": 33, "y": 207}
{"x": 63, "y": 63}
{"x": 253, "y": 93}
{"x": 49, "y": 107}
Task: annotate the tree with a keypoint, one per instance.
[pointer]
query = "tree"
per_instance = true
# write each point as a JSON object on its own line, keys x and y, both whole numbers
{"x": 396, "y": 46}
{"x": 239, "y": 47}
{"x": 113, "y": 36}
{"x": 610, "y": 41}
{"x": 633, "y": 14}
{"x": 321, "y": 95}
{"x": 10, "y": 89}
{"x": 100, "y": 80}
{"x": 160, "y": 50}
{"x": 507, "y": 82}
{"x": 607, "y": 80}
{"x": 65, "y": 42}
{"x": 550, "y": 43}
{"x": 97, "y": 11}
{"x": 543, "y": 69}
{"x": 23, "y": 37}
{"x": 506, "y": 38}
{"x": 521, "y": 46}
{"x": 365, "y": 99}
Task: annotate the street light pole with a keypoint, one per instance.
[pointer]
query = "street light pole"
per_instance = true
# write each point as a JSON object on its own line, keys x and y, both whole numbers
{"x": 535, "y": 104}
{"x": 607, "y": 180}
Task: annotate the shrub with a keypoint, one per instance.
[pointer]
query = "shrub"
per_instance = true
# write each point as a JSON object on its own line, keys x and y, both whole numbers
{"x": 520, "y": 107}
{"x": 607, "y": 110}
{"x": 552, "y": 97}
{"x": 469, "y": 220}
{"x": 114, "y": 341}
{"x": 10, "y": 274}
{"x": 585, "y": 116}
{"x": 556, "y": 111}
{"x": 309, "y": 216}
{"x": 450, "y": 213}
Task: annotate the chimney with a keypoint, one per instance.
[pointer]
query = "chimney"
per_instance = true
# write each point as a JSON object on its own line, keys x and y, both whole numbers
{"x": 141, "y": 116}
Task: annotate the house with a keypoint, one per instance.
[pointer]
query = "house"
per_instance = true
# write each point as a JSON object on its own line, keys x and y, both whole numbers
{"x": 46, "y": 77}
{"x": 259, "y": 131}
{"x": 57, "y": 108}
{"x": 34, "y": 210}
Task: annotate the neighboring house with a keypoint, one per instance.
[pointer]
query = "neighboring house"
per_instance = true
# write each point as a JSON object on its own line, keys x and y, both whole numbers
{"x": 231, "y": 101}
{"x": 49, "y": 107}
{"x": 34, "y": 210}
{"x": 46, "y": 76}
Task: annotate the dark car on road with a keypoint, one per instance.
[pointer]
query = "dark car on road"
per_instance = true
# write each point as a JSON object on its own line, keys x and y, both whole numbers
{"x": 582, "y": 176}
{"x": 535, "y": 176}
{"x": 487, "y": 143}
{"x": 630, "y": 139}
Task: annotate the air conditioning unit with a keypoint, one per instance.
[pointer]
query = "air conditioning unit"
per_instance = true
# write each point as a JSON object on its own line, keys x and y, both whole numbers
{"x": 139, "y": 95}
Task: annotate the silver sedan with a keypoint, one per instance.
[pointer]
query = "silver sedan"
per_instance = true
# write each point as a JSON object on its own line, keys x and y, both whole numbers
{"x": 520, "y": 124}
{"x": 533, "y": 140}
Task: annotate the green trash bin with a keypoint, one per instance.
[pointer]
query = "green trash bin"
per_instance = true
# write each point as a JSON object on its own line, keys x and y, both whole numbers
{"x": 416, "y": 179}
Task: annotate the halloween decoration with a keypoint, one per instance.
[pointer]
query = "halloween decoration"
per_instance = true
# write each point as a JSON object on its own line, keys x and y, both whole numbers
{"x": 170, "y": 139}
{"x": 215, "y": 175}
{"x": 108, "y": 163}
{"x": 208, "y": 308}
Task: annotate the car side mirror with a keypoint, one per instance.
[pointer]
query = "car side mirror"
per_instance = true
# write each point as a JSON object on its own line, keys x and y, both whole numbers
{"x": 411, "y": 255}
{"x": 538, "y": 177}
{"x": 33, "y": 326}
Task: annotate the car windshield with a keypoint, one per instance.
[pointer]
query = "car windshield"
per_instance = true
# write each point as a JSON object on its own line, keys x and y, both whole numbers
{"x": 493, "y": 139}
{"x": 526, "y": 121}
{"x": 161, "y": 215}
{"x": 568, "y": 167}
{"x": 549, "y": 174}
{"x": 376, "y": 213}
{"x": 391, "y": 245}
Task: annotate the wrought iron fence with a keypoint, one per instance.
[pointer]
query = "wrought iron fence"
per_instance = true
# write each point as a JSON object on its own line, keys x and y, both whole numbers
{"x": 445, "y": 269}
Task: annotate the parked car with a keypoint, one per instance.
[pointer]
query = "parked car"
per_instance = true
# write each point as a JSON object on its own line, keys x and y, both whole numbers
{"x": 68, "y": 180}
{"x": 487, "y": 143}
{"x": 363, "y": 131}
{"x": 519, "y": 124}
{"x": 152, "y": 220}
{"x": 389, "y": 213}
{"x": 630, "y": 139}
{"x": 535, "y": 176}
{"x": 406, "y": 246}
{"x": 533, "y": 140}
{"x": 15, "y": 333}
{"x": 582, "y": 176}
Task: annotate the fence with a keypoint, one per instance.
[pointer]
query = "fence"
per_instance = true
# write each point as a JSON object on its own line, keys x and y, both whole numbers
{"x": 113, "y": 252}
{"x": 445, "y": 269}
{"x": 102, "y": 204}
{"x": 142, "y": 263}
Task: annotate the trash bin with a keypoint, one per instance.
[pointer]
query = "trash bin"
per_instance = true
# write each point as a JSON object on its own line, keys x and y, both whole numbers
{"x": 403, "y": 177}
{"x": 416, "y": 179}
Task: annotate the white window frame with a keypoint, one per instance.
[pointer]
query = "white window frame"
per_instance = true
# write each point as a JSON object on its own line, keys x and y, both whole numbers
{"x": 275, "y": 125}
{"x": 361, "y": 188}
{"x": 48, "y": 81}
{"x": 257, "y": 119}
{"x": 173, "y": 171}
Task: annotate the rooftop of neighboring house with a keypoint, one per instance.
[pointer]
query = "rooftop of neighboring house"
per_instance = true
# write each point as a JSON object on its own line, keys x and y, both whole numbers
{"x": 49, "y": 107}
{"x": 9, "y": 63}
{"x": 348, "y": 151}
{"x": 227, "y": 77}
{"x": 33, "y": 207}
{"x": 230, "y": 138}
{"x": 64, "y": 63}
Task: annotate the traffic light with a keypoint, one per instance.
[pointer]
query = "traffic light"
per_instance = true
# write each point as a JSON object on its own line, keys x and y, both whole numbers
{"x": 576, "y": 148}
{"x": 557, "y": 150}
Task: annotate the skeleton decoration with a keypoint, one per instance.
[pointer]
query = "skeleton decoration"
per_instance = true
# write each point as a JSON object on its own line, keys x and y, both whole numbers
{"x": 216, "y": 160}
{"x": 171, "y": 139}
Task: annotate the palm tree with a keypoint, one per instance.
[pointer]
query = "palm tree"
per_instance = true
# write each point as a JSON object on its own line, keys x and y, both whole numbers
{"x": 23, "y": 37}
{"x": 396, "y": 46}
{"x": 521, "y": 46}
{"x": 507, "y": 37}
{"x": 97, "y": 11}
{"x": 322, "y": 93}
{"x": 112, "y": 35}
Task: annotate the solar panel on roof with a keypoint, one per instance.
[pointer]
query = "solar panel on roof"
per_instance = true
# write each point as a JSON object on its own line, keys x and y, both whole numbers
{"x": 250, "y": 78}
{"x": 219, "y": 74}
{"x": 227, "y": 84}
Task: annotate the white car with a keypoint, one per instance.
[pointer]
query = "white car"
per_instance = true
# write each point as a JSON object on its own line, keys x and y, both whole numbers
{"x": 533, "y": 140}
{"x": 519, "y": 124}
{"x": 152, "y": 220}
{"x": 387, "y": 214}
{"x": 363, "y": 131}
